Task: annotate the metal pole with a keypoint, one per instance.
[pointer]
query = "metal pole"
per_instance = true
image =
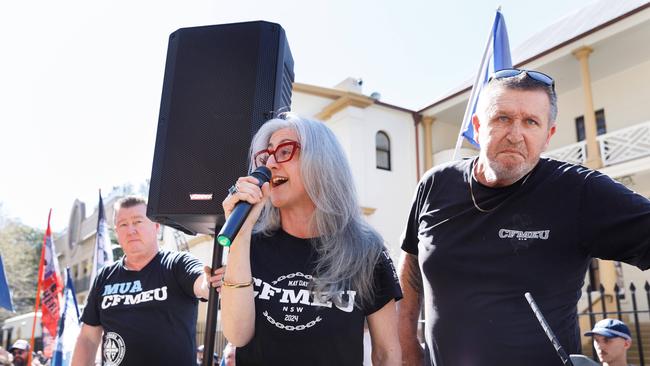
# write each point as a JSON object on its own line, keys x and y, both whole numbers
{"x": 636, "y": 324}
{"x": 566, "y": 360}
{"x": 213, "y": 307}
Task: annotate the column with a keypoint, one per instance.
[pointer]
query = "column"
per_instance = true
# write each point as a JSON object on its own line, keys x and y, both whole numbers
{"x": 427, "y": 121}
{"x": 594, "y": 160}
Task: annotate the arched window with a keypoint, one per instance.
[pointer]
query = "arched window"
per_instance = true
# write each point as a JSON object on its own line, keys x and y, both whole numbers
{"x": 382, "y": 143}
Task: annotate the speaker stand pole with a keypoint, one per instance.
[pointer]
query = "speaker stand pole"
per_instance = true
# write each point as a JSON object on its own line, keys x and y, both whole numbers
{"x": 213, "y": 306}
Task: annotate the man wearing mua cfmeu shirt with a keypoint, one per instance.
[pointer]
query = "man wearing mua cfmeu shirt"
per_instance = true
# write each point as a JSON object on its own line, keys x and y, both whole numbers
{"x": 484, "y": 231}
{"x": 142, "y": 308}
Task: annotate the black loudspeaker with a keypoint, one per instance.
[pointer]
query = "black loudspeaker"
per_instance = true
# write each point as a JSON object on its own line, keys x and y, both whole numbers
{"x": 221, "y": 84}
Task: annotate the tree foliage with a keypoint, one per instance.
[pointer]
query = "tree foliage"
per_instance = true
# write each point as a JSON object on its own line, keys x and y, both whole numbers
{"x": 20, "y": 247}
{"x": 127, "y": 189}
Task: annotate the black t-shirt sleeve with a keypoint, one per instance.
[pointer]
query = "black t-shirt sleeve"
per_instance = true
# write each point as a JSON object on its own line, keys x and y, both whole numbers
{"x": 386, "y": 284}
{"x": 614, "y": 221}
{"x": 410, "y": 235}
{"x": 187, "y": 269}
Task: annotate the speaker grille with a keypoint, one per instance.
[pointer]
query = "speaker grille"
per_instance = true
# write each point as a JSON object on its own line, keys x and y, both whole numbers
{"x": 219, "y": 88}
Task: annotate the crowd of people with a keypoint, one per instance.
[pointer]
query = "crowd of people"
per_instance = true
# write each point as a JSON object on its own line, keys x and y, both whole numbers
{"x": 306, "y": 273}
{"x": 18, "y": 355}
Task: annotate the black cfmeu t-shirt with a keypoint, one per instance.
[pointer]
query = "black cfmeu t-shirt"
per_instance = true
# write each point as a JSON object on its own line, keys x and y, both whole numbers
{"x": 292, "y": 327}
{"x": 538, "y": 236}
{"x": 148, "y": 316}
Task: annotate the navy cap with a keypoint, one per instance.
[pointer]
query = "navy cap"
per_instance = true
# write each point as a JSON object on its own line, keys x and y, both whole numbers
{"x": 611, "y": 328}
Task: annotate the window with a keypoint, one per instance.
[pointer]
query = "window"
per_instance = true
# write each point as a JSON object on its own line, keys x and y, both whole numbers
{"x": 382, "y": 143}
{"x": 600, "y": 125}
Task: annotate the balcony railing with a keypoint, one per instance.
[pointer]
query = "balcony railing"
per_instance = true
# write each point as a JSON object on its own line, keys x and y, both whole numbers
{"x": 574, "y": 153}
{"x": 625, "y": 144}
{"x": 615, "y": 147}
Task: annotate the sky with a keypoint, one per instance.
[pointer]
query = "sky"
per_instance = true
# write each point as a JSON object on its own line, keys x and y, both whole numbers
{"x": 80, "y": 81}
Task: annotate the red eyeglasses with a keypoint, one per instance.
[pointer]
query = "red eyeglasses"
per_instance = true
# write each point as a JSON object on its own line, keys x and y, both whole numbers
{"x": 282, "y": 153}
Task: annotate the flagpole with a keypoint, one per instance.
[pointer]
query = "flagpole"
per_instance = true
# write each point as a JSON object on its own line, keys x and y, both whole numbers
{"x": 213, "y": 304}
{"x": 102, "y": 249}
{"x": 38, "y": 287}
{"x": 93, "y": 271}
{"x": 68, "y": 328}
{"x": 465, "y": 122}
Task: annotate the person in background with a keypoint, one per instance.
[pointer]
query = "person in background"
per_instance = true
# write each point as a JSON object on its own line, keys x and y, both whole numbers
{"x": 612, "y": 339}
{"x": 20, "y": 351}
{"x": 199, "y": 354}
{"x": 228, "y": 353}
{"x": 142, "y": 308}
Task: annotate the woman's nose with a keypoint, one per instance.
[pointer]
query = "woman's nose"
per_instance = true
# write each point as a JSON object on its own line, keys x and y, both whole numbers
{"x": 271, "y": 161}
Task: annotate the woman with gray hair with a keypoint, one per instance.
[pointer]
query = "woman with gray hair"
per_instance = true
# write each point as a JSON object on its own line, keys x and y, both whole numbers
{"x": 306, "y": 271}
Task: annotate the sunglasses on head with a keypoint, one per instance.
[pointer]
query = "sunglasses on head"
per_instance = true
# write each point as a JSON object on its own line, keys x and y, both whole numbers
{"x": 535, "y": 75}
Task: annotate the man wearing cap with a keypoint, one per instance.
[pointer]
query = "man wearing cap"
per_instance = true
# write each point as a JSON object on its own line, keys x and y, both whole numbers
{"x": 199, "y": 354}
{"x": 20, "y": 351}
{"x": 484, "y": 231}
{"x": 612, "y": 339}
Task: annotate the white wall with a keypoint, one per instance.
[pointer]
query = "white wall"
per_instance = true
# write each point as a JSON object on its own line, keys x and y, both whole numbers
{"x": 388, "y": 192}
{"x": 444, "y": 135}
{"x": 307, "y": 105}
{"x": 625, "y": 97}
{"x": 634, "y": 275}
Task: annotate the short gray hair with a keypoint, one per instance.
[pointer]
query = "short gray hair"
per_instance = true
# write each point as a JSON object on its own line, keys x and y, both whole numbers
{"x": 127, "y": 202}
{"x": 519, "y": 82}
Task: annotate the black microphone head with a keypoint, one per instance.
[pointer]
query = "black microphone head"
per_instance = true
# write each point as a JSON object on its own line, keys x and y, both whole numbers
{"x": 263, "y": 174}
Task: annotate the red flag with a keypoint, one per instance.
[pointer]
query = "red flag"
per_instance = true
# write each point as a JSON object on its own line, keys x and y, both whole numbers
{"x": 50, "y": 283}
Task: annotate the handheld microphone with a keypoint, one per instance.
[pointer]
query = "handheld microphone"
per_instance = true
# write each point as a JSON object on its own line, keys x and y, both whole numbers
{"x": 240, "y": 212}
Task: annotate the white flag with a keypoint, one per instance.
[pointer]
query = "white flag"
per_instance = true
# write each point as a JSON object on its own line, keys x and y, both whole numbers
{"x": 103, "y": 254}
{"x": 69, "y": 326}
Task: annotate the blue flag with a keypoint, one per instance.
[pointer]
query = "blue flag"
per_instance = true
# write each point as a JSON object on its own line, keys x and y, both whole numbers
{"x": 69, "y": 326}
{"x": 103, "y": 254}
{"x": 496, "y": 57}
{"x": 5, "y": 295}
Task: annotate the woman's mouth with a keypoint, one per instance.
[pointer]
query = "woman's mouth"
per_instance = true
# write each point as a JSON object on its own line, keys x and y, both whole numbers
{"x": 276, "y": 181}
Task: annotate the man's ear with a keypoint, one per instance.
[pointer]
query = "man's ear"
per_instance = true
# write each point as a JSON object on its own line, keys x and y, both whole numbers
{"x": 551, "y": 132}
